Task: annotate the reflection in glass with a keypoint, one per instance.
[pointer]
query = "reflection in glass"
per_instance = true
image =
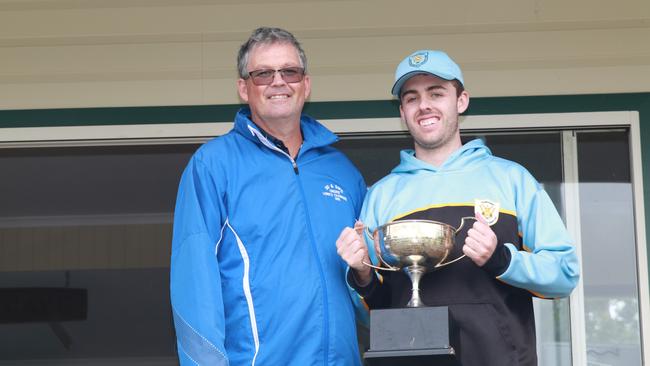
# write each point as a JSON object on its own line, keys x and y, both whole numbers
{"x": 608, "y": 249}
{"x": 85, "y": 235}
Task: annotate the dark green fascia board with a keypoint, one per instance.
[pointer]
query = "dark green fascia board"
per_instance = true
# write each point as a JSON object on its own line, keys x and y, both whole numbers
{"x": 561, "y": 104}
{"x": 116, "y": 116}
{"x": 178, "y": 114}
{"x": 319, "y": 110}
{"x": 494, "y": 105}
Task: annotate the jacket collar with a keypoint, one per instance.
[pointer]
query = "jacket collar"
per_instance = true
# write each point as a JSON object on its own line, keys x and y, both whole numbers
{"x": 314, "y": 134}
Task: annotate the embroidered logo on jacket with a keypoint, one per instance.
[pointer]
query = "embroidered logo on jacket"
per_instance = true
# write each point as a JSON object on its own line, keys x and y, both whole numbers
{"x": 334, "y": 191}
{"x": 488, "y": 210}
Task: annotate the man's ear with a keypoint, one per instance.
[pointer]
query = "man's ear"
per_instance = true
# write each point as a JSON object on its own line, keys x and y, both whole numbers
{"x": 307, "y": 81}
{"x": 463, "y": 102}
{"x": 242, "y": 90}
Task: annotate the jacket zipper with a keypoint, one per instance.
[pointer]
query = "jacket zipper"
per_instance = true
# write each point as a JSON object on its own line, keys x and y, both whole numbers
{"x": 294, "y": 164}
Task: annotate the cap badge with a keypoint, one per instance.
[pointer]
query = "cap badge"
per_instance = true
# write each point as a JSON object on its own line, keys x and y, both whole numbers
{"x": 418, "y": 59}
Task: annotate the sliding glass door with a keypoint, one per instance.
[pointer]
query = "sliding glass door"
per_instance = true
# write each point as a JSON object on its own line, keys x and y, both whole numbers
{"x": 609, "y": 248}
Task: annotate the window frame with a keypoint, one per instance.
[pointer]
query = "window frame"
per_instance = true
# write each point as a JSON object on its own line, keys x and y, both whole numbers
{"x": 175, "y": 133}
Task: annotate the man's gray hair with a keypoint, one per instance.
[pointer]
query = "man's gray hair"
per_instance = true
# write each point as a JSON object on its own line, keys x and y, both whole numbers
{"x": 267, "y": 35}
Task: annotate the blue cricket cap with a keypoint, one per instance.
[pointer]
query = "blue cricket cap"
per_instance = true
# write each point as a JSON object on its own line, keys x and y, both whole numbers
{"x": 436, "y": 63}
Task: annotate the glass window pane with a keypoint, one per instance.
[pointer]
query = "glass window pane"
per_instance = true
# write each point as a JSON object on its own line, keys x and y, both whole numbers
{"x": 374, "y": 156}
{"x": 608, "y": 249}
{"x": 85, "y": 237}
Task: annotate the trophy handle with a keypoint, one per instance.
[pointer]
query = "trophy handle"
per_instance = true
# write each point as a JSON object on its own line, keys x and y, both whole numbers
{"x": 368, "y": 231}
{"x": 450, "y": 262}
{"x": 462, "y": 223}
{"x": 388, "y": 266}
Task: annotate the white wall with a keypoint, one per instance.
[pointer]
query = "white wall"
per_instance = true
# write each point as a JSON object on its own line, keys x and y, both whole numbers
{"x": 88, "y": 53}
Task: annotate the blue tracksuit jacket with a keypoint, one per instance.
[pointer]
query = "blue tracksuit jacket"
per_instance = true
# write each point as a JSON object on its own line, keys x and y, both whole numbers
{"x": 255, "y": 277}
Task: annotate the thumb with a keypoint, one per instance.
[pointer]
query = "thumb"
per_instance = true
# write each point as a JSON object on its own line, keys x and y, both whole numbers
{"x": 358, "y": 227}
{"x": 480, "y": 217}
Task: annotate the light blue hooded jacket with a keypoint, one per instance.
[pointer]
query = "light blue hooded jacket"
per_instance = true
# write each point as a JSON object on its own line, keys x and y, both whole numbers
{"x": 491, "y": 306}
{"x": 542, "y": 256}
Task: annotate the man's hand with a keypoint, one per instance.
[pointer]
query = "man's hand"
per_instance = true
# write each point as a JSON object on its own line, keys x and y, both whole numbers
{"x": 480, "y": 242}
{"x": 351, "y": 246}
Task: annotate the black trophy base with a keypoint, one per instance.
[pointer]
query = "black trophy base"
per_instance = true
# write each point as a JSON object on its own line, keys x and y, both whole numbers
{"x": 427, "y": 357}
{"x": 411, "y": 336}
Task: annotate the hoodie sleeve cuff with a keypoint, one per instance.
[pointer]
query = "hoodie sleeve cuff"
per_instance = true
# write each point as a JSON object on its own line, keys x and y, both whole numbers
{"x": 499, "y": 262}
{"x": 364, "y": 291}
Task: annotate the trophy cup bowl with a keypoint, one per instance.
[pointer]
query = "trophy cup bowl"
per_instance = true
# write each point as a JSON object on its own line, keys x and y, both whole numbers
{"x": 419, "y": 246}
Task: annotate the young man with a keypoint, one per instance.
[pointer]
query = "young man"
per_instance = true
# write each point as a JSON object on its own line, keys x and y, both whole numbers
{"x": 255, "y": 278}
{"x": 518, "y": 247}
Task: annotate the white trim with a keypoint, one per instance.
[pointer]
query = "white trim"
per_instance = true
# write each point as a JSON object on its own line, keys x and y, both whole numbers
{"x": 114, "y": 134}
{"x": 571, "y": 198}
{"x": 199, "y": 132}
{"x": 547, "y": 120}
{"x": 641, "y": 244}
{"x": 107, "y": 361}
{"x": 86, "y": 220}
{"x": 247, "y": 291}
{"x": 508, "y": 121}
{"x": 216, "y": 246}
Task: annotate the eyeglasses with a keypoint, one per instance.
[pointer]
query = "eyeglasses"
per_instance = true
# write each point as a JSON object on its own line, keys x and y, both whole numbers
{"x": 288, "y": 74}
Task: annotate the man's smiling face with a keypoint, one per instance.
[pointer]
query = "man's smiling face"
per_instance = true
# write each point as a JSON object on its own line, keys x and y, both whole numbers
{"x": 278, "y": 101}
{"x": 430, "y": 107}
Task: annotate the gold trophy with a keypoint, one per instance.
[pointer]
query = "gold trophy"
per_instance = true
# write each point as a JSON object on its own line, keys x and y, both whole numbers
{"x": 420, "y": 246}
{"x": 417, "y": 335}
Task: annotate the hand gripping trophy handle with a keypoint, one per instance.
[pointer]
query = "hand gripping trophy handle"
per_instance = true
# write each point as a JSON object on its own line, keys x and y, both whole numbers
{"x": 379, "y": 256}
{"x": 462, "y": 223}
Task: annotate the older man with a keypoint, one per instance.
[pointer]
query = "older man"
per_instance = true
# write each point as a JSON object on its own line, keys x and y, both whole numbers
{"x": 255, "y": 277}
